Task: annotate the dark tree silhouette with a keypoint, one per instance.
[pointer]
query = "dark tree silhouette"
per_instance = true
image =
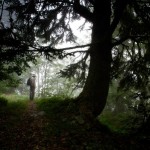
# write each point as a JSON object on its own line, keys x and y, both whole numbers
{"x": 119, "y": 45}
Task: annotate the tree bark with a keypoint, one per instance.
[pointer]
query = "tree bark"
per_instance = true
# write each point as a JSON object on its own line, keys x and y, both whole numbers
{"x": 92, "y": 99}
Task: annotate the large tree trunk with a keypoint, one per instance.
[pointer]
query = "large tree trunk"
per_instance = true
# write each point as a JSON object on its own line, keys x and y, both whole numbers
{"x": 93, "y": 98}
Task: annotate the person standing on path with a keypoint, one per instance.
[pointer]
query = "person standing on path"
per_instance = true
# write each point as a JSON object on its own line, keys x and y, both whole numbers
{"x": 31, "y": 83}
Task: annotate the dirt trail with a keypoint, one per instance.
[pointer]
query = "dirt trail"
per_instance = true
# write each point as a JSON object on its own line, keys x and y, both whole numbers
{"x": 30, "y": 134}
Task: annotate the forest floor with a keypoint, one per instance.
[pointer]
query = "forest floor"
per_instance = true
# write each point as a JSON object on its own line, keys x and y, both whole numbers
{"x": 35, "y": 130}
{"x": 25, "y": 134}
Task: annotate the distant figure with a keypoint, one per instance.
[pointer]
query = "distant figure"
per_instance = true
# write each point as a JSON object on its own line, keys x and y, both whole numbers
{"x": 31, "y": 83}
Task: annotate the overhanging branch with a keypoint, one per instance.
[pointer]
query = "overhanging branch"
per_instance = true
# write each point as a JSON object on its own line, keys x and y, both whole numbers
{"x": 2, "y": 8}
{"x": 83, "y": 11}
{"x": 47, "y": 48}
{"x": 118, "y": 12}
{"x": 118, "y": 42}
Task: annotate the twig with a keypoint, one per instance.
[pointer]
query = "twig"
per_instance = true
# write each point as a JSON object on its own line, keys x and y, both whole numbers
{"x": 2, "y": 9}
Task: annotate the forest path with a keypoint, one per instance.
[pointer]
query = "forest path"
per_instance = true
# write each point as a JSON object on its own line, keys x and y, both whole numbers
{"x": 29, "y": 133}
{"x": 30, "y": 130}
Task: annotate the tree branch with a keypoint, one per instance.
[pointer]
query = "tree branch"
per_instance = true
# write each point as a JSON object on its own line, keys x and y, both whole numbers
{"x": 118, "y": 12}
{"x": 2, "y": 8}
{"x": 91, "y": 1}
{"x": 47, "y": 48}
{"x": 119, "y": 41}
{"x": 83, "y": 11}
{"x": 141, "y": 14}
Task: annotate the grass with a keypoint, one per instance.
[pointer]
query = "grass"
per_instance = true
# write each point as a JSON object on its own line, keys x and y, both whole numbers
{"x": 65, "y": 111}
{"x": 12, "y": 111}
{"x": 15, "y": 98}
{"x": 65, "y": 116}
{"x": 58, "y": 112}
{"x": 64, "y": 125}
{"x": 118, "y": 123}
{"x": 64, "y": 128}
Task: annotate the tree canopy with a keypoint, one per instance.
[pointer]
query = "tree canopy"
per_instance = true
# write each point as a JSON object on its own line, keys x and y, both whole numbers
{"x": 119, "y": 46}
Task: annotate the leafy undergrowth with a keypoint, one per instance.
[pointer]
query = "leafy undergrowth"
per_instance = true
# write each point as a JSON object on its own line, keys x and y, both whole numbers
{"x": 55, "y": 124}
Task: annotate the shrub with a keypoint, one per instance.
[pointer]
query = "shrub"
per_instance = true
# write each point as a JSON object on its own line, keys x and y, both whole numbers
{"x": 3, "y": 102}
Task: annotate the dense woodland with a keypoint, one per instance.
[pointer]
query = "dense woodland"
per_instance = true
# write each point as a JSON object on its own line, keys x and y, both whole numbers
{"x": 90, "y": 89}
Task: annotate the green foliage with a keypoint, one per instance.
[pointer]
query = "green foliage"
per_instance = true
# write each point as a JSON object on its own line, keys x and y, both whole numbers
{"x": 126, "y": 111}
{"x": 49, "y": 82}
{"x": 63, "y": 126}
{"x": 58, "y": 128}
{"x": 3, "y": 101}
{"x": 77, "y": 71}
{"x": 56, "y": 109}
{"x": 12, "y": 112}
{"x": 119, "y": 123}
{"x": 68, "y": 118}
{"x": 15, "y": 97}
{"x": 54, "y": 105}
{"x": 8, "y": 85}
{"x": 21, "y": 40}
{"x": 51, "y": 24}
{"x": 14, "y": 55}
